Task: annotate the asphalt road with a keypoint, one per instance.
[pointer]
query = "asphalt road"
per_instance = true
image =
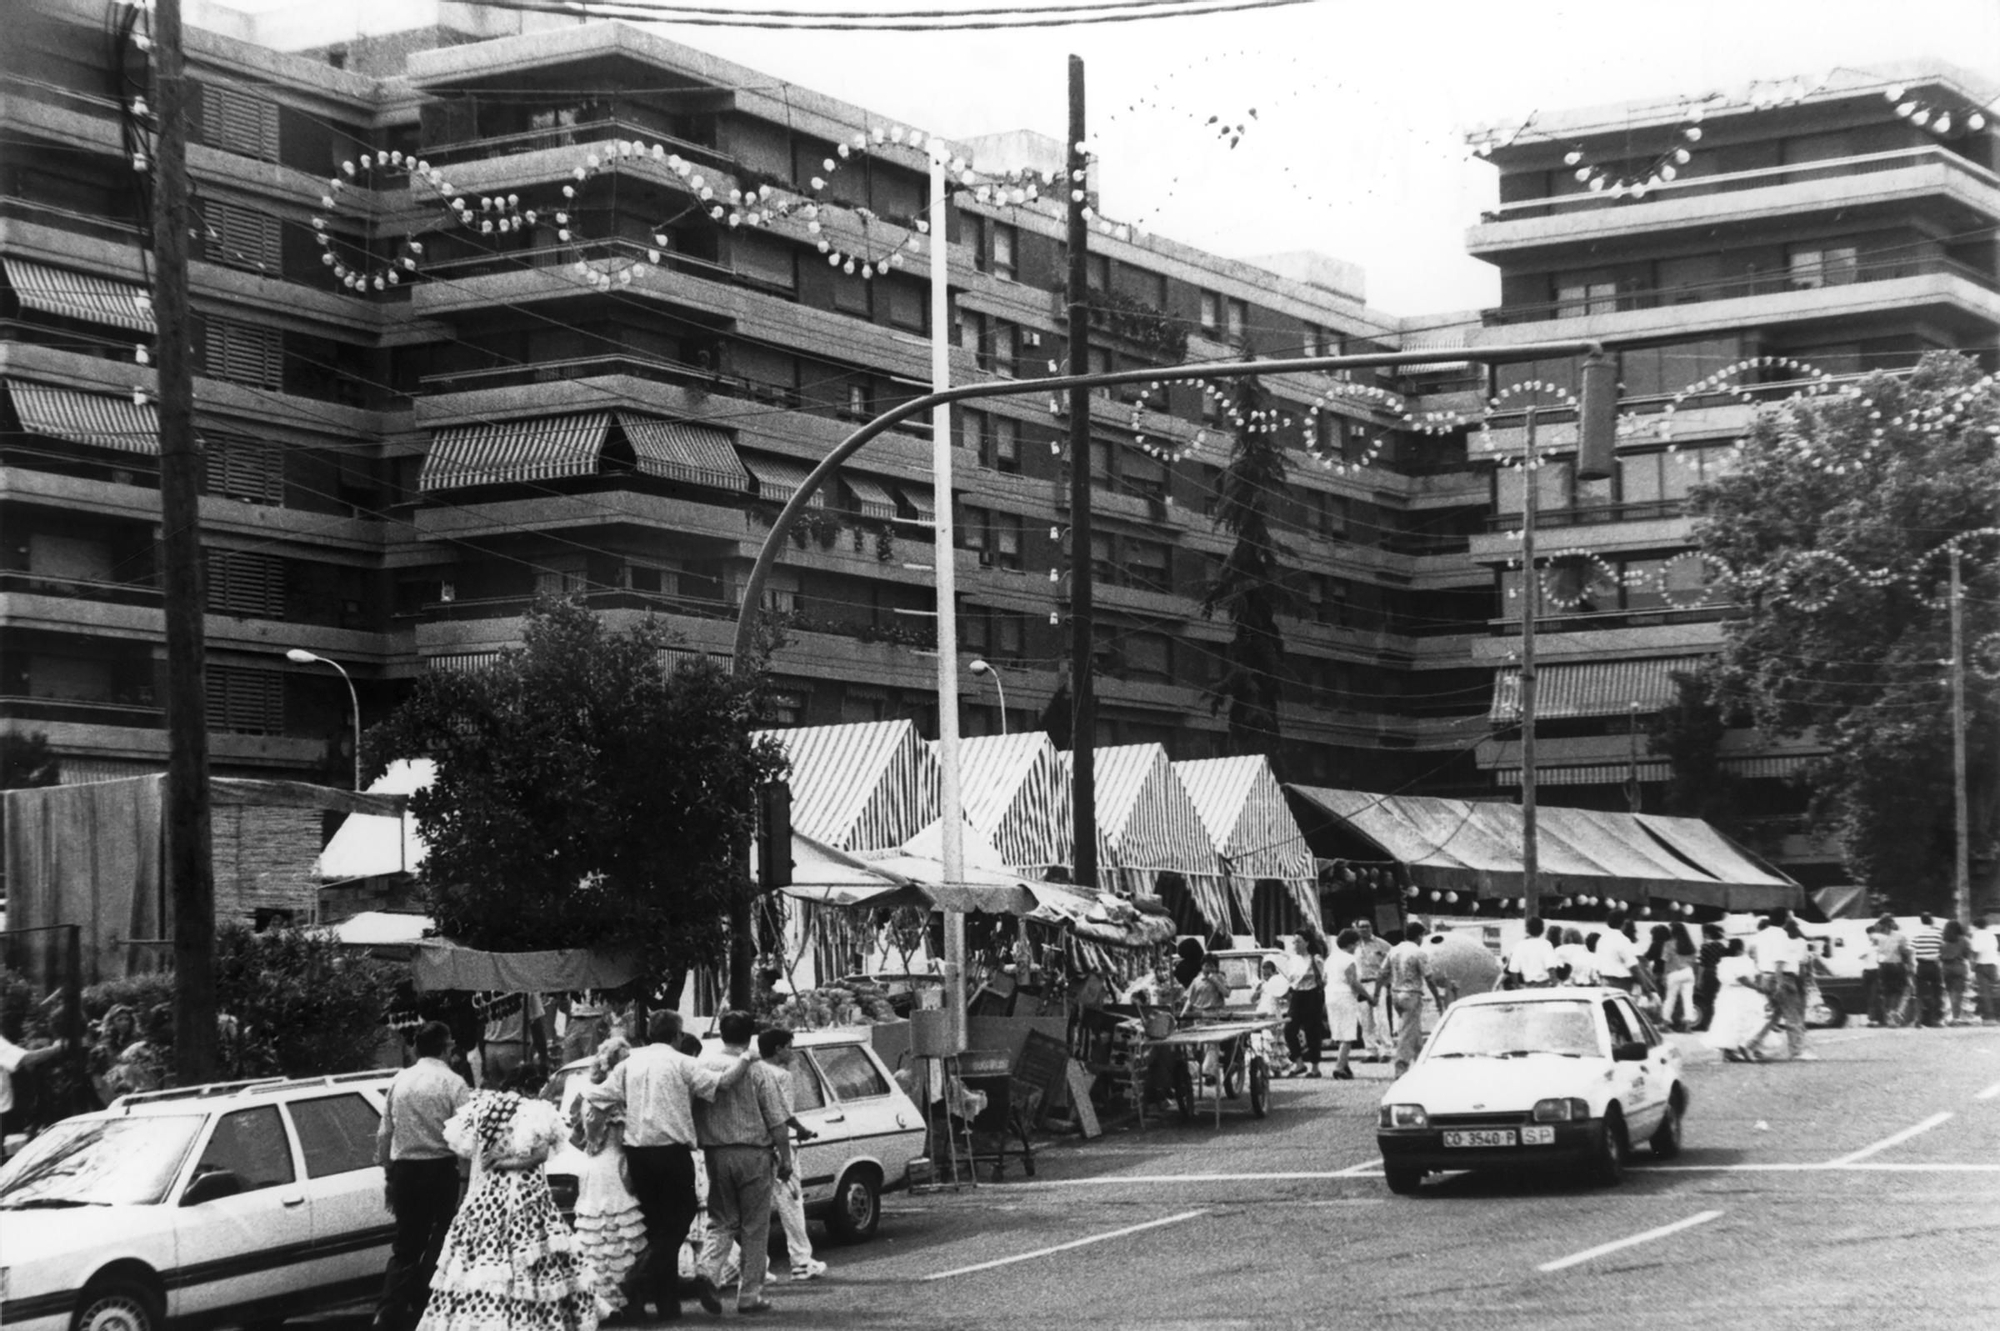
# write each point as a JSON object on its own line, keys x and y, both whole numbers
{"x": 1862, "y": 1190}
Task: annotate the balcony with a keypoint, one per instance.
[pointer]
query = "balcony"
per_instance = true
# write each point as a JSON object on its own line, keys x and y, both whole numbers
{"x": 596, "y": 134}
{"x": 599, "y": 599}
{"x": 79, "y": 589}
{"x": 1869, "y": 180}
{"x": 137, "y": 711}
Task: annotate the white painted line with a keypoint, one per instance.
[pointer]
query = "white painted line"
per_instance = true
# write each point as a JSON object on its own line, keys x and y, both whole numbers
{"x": 1104, "y": 1180}
{"x": 1893, "y": 1139}
{"x": 1563, "y": 1263}
{"x": 1356, "y": 1171}
{"x": 1865, "y": 1167}
{"x": 1065, "y": 1247}
{"x": 1989, "y": 1093}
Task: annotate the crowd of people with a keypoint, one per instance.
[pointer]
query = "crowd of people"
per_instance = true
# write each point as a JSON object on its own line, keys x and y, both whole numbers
{"x": 678, "y": 1141}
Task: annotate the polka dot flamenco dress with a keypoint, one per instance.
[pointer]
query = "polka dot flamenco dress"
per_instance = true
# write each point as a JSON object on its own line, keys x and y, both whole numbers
{"x": 509, "y": 1262}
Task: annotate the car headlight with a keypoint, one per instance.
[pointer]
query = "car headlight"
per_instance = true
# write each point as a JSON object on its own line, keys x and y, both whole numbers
{"x": 1570, "y": 1110}
{"x": 1405, "y": 1116}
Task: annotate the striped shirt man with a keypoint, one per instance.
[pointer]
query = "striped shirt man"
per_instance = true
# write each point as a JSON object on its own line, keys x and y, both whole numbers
{"x": 1926, "y": 940}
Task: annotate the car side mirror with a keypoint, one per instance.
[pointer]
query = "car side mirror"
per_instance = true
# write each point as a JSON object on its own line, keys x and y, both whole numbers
{"x": 1632, "y": 1051}
{"x": 212, "y": 1186}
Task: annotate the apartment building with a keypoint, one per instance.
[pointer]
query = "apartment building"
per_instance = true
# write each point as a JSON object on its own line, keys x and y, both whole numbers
{"x": 1752, "y": 241}
{"x": 602, "y": 371}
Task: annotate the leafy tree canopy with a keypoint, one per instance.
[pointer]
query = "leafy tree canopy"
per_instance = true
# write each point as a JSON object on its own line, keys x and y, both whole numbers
{"x": 1835, "y": 527}
{"x": 1250, "y": 588}
{"x": 585, "y": 796}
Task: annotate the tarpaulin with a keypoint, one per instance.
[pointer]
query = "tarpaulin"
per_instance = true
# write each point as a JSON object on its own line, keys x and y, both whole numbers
{"x": 441, "y": 965}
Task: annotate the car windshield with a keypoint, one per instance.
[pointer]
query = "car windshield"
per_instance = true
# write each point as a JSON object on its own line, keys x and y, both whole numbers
{"x": 99, "y": 1162}
{"x": 1512, "y": 1030}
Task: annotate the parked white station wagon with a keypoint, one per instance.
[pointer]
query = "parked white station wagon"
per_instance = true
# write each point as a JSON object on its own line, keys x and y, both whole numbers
{"x": 228, "y": 1203}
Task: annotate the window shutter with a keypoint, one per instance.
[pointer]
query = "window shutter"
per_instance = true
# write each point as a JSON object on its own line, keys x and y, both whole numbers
{"x": 239, "y": 122}
{"x": 246, "y": 700}
{"x": 245, "y": 354}
{"x": 240, "y": 583}
{"x": 241, "y": 237}
{"x": 240, "y": 468}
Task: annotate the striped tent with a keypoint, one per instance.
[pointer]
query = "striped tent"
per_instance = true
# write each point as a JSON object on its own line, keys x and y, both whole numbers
{"x": 871, "y": 786}
{"x": 1252, "y": 829}
{"x": 1147, "y": 825}
{"x": 1016, "y": 793}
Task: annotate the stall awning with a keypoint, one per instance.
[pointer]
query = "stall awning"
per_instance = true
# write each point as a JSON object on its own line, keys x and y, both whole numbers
{"x": 777, "y": 478}
{"x": 871, "y": 497}
{"x": 1595, "y": 774}
{"x": 1250, "y": 825}
{"x": 868, "y": 786}
{"x": 87, "y": 418}
{"x": 97, "y": 300}
{"x": 682, "y": 451}
{"x": 441, "y": 965}
{"x": 1590, "y": 688}
{"x": 921, "y": 500}
{"x": 1751, "y": 886}
{"x": 539, "y": 448}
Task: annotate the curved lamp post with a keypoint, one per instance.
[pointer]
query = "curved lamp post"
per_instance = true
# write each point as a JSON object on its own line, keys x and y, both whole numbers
{"x": 980, "y": 667}
{"x": 300, "y": 656}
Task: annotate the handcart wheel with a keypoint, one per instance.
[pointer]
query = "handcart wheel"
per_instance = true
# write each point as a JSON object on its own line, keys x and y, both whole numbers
{"x": 1184, "y": 1091}
{"x": 1260, "y": 1088}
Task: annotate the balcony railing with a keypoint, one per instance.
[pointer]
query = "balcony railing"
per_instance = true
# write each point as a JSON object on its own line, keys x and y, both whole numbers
{"x": 589, "y": 134}
{"x": 1589, "y": 515}
{"x": 94, "y": 225}
{"x": 79, "y": 589}
{"x": 1731, "y": 182}
{"x": 603, "y": 598}
{"x": 1733, "y": 287}
{"x": 1580, "y": 621}
{"x": 84, "y": 711}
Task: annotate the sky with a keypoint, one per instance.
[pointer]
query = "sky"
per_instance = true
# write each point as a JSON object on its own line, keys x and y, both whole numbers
{"x": 1357, "y": 145}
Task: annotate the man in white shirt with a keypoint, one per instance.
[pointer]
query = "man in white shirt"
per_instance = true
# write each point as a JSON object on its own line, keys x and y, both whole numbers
{"x": 1782, "y": 957}
{"x": 1619, "y": 965}
{"x": 1530, "y": 962}
{"x": 13, "y": 1058}
{"x": 1986, "y": 967}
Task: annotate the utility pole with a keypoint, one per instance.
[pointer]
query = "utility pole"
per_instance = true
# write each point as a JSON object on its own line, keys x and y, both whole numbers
{"x": 1961, "y": 897}
{"x": 190, "y": 870}
{"x": 951, "y": 848}
{"x": 1082, "y": 621}
{"x": 1530, "y": 587}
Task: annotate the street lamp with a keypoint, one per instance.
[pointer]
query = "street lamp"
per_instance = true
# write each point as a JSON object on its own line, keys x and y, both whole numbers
{"x": 300, "y": 656}
{"x": 980, "y": 667}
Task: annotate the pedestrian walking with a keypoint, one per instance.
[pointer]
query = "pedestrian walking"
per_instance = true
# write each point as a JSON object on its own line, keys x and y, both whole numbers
{"x": 1895, "y": 965}
{"x": 1347, "y": 999}
{"x": 1370, "y": 955}
{"x": 1986, "y": 967}
{"x": 1619, "y": 965}
{"x": 1782, "y": 958}
{"x": 1706, "y": 986}
{"x": 1741, "y": 1005}
{"x": 1528, "y": 966}
{"x": 610, "y": 1227}
{"x": 1406, "y": 975}
{"x": 1871, "y": 977}
{"x": 743, "y": 1135}
{"x": 1575, "y": 961}
{"x": 1305, "y": 1018}
{"x": 420, "y": 1169}
{"x": 1267, "y": 1000}
{"x": 1926, "y": 948}
{"x": 655, "y": 1088}
{"x": 1678, "y": 960}
{"x": 1955, "y": 962}
{"x": 509, "y": 1262}
{"x": 775, "y": 1045}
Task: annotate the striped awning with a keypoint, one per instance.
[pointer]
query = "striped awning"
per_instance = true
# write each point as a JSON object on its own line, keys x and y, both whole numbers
{"x": 97, "y": 300}
{"x": 464, "y": 662}
{"x": 1016, "y": 793}
{"x": 538, "y": 448}
{"x": 1146, "y": 813}
{"x": 682, "y": 451}
{"x": 777, "y": 478}
{"x": 921, "y": 500}
{"x": 870, "y": 786}
{"x": 871, "y": 497}
{"x": 1251, "y": 826}
{"x": 1593, "y": 774}
{"x": 87, "y": 418}
{"x": 1590, "y": 688}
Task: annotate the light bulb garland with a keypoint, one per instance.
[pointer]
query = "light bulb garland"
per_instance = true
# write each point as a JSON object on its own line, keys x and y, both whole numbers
{"x": 1984, "y": 656}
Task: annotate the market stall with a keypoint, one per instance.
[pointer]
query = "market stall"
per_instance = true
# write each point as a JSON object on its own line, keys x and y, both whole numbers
{"x": 870, "y": 786}
{"x": 1016, "y": 793}
{"x": 1149, "y": 827}
{"x": 1243, "y": 808}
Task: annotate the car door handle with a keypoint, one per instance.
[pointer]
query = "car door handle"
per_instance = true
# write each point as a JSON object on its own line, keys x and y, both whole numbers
{"x": 836, "y": 1118}
{"x": 294, "y": 1201}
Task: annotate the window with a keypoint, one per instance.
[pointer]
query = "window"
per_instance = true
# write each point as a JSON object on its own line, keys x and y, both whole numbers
{"x": 1614, "y": 1020}
{"x": 336, "y": 1133}
{"x": 766, "y": 260}
{"x": 1211, "y": 311}
{"x": 1328, "y": 515}
{"x": 1146, "y": 565}
{"x": 1238, "y": 319}
{"x": 850, "y": 294}
{"x": 850, "y": 1073}
{"x": 781, "y": 592}
{"x": 1552, "y": 490}
{"x": 1574, "y": 298}
{"x": 1000, "y": 250}
{"x": 1823, "y": 266}
{"x": 1140, "y": 473}
{"x": 860, "y": 402}
{"x": 239, "y": 468}
{"x": 242, "y": 353}
{"x": 239, "y": 237}
{"x": 658, "y": 580}
{"x": 1000, "y": 446}
{"x": 1149, "y": 657}
{"x": 1321, "y": 341}
{"x": 806, "y": 1091}
{"x": 1639, "y": 478}
{"x": 1097, "y": 269}
{"x": 1006, "y": 541}
{"x": 239, "y": 122}
{"x": 1010, "y": 636}
{"x": 245, "y": 700}
{"x": 1329, "y": 601}
{"x": 907, "y": 306}
{"x": 251, "y": 1144}
{"x": 1100, "y": 463}
{"x": 240, "y": 583}
{"x": 1104, "y": 558}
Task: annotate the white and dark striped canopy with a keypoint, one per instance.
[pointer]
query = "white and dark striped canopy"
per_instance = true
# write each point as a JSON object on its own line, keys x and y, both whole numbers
{"x": 871, "y": 786}
{"x": 684, "y": 451}
{"x": 94, "y": 419}
{"x": 538, "y": 448}
{"x": 778, "y": 478}
{"x": 871, "y": 497}
{"x": 81, "y": 296}
{"x": 1252, "y": 828}
{"x": 1016, "y": 793}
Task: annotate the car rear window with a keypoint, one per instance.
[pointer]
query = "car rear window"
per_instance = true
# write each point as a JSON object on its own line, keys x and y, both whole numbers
{"x": 251, "y": 1144}
{"x": 850, "y": 1073}
{"x": 336, "y": 1132}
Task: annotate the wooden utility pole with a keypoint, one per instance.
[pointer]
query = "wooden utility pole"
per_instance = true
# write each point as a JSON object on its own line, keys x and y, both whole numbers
{"x": 1961, "y": 896}
{"x": 1531, "y": 878}
{"x": 1082, "y": 619}
{"x": 190, "y": 872}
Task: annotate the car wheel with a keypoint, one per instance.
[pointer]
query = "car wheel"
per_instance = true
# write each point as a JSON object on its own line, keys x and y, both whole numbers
{"x": 1825, "y": 1014}
{"x": 1184, "y": 1091}
{"x": 857, "y": 1207}
{"x": 119, "y": 1303}
{"x": 1403, "y": 1180}
{"x": 1607, "y": 1162}
{"x": 1260, "y": 1088}
{"x": 1666, "y": 1139}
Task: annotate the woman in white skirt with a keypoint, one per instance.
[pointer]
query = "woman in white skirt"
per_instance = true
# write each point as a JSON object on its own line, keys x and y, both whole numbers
{"x": 1740, "y": 1006}
{"x": 1345, "y": 1001}
{"x": 610, "y": 1230}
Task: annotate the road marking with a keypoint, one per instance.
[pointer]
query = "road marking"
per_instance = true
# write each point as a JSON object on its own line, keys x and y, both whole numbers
{"x": 1356, "y": 1171}
{"x": 1893, "y": 1139}
{"x": 1065, "y": 1247}
{"x": 1562, "y": 1263}
{"x": 1292, "y": 1177}
{"x": 1989, "y": 1093}
{"x": 1865, "y": 1167}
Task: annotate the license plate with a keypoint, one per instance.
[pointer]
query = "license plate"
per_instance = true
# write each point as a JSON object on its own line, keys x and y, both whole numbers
{"x": 1482, "y": 1137}
{"x": 1538, "y": 1136}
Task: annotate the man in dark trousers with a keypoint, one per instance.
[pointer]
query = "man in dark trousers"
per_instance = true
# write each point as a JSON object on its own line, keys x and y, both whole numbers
{"x": 422, "y": 1173}
{"x": 748, "y": 1143}
{"x": 656, "y": 1088}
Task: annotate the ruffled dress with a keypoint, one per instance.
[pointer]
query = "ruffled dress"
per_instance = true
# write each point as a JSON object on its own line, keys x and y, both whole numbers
{"x": 1740, "y": 1011}
{"x": 509, "y": 1262}
{"x": 610, "y": 1229}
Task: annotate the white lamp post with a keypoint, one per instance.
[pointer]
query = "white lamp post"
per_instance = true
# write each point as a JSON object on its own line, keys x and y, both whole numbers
{"x": 300, "y": 656}
{"x": 980, "y": 667}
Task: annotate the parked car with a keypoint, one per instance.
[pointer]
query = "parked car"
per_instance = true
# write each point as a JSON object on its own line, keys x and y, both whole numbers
{"x": 1529, "y": 1078}
{"x": 868, "y": 1130}
{"x": 1243, "y": 968}
{"x": 234, "y": 1202}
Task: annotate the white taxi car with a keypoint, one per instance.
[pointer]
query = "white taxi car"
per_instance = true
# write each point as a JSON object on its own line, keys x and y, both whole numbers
{"x": 1531, "y": 1077}
{"x": 867, "y": 1131}
{"x": 236, "y": 1202}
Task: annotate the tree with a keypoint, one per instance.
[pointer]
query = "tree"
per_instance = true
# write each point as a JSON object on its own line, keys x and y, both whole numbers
{"x": 584, "y": 796}
{"x": 1250, "y": 587}
{"x": 1688, "y": 733}
{"x": 1834, "y": 528}
{"x": 26, "y": 760}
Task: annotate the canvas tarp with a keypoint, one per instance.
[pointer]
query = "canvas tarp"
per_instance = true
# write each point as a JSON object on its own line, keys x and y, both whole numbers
{"x": 1750, "y": 886}
{"x": 442, "y": 965}
{"x": 90, "y": 855}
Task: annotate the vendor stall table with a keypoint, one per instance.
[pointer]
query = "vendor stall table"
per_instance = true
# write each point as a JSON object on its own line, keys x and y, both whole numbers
{"x": 1238, "y": 1062}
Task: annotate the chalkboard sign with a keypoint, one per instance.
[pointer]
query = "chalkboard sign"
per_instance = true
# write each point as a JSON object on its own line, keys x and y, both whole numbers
{"x": 1043, "y": 1065}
